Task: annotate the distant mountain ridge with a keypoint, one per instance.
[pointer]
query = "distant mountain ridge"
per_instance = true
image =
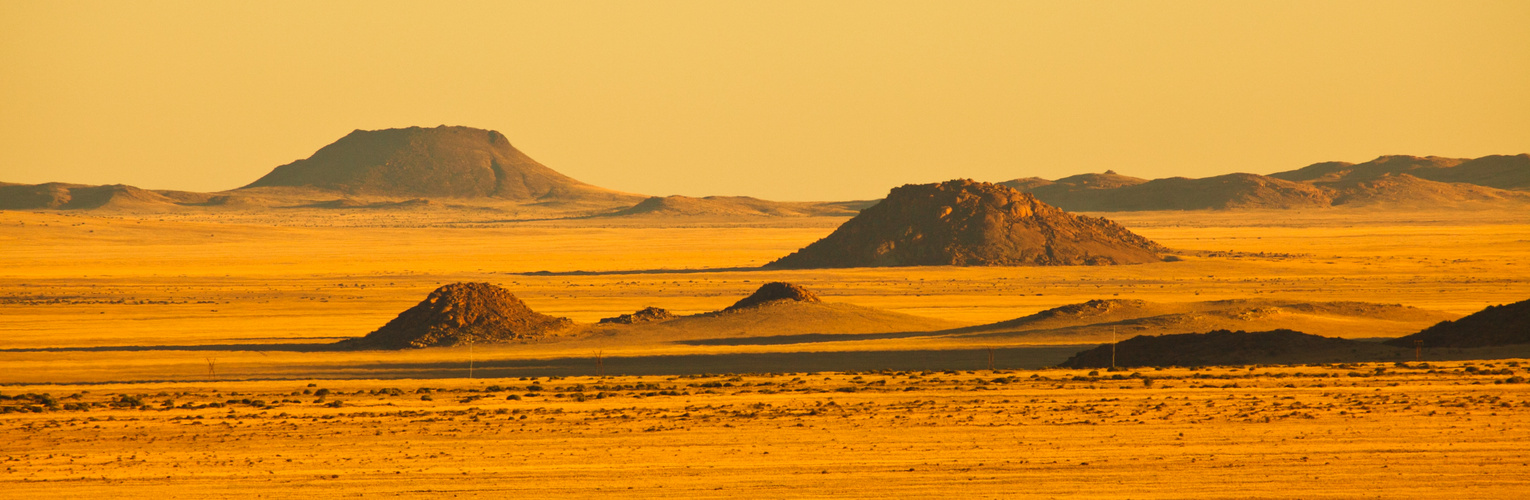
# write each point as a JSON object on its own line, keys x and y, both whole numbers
{"x": 1385, "y": 181}
{"x": 404, "y": 168}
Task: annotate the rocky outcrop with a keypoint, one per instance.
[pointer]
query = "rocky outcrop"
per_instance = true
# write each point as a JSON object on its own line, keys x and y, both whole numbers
{"x": 968, "y": 223}
{"x": 460, "y": 313}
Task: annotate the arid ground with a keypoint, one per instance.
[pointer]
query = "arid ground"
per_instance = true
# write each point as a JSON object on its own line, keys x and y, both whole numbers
{"x": 178, "y": 350}
{"x": 1433, "y": 430}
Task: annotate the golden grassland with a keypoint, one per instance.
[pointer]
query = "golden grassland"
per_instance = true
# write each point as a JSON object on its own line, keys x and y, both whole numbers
{"x": 104, "y": 284}
{"x": 1440, "y": 430}
{"x": 177, "y": 356}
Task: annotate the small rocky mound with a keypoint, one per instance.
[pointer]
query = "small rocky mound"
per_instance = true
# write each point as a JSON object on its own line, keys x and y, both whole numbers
{"x": 969, "y": 223}
{"x": 772, "y": 292}
{"x": 1494, "y": 326}
{"x": 647, "y": 315}
{"x": 1223, "y": 347}
{"x": 1096, "y": 307}
{"x": 460, "y": 313}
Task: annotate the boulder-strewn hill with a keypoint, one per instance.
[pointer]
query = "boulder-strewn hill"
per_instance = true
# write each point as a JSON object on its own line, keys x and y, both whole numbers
{"x": 1494, "y": 326}
{"x": 441, "y": 162}
{"x": 460, "y": 313}
{"x": 1388, "y": 181}
{"x": 967, "y": 223}
{"x": 1223, "y": 347}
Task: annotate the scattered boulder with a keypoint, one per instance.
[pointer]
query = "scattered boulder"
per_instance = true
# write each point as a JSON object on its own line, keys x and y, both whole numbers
{"x": 647, "y": 315}
{"x": 969, "y": 223}
{"x": 460, "y": 313}
{"x": 1494, "y": 326}
{"x": 774, "y": 292}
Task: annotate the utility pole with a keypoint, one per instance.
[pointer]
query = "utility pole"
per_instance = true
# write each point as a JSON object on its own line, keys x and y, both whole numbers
{"x": 990, "y": 359}
{"x": 1418, "y": 350}
{"x": 600, "y": 363}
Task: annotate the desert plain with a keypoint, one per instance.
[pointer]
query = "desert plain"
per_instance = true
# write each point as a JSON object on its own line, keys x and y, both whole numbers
{"x": 184, "y": 354}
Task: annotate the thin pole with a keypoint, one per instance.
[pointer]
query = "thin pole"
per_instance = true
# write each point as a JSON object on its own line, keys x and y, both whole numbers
{"x": 1418, "y": 350}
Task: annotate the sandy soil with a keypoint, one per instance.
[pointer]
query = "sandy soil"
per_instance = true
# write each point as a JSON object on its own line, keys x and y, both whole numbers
{"x": 93, "y": 282}
{"x": 1444, "y": 430}
{"x": 182, "y": 358}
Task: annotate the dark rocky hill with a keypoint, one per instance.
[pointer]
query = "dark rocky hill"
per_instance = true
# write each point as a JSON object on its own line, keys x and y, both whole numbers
{"x": 460, "y": 313}
{"x": 1223, "y": 347}
{"x": 1494, "y": 326}
{"x": 968, "y": 223}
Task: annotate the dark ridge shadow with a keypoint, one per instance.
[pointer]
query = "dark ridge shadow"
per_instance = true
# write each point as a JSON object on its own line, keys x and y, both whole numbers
{"x": 327, "y": 347}
{"x": 643, "y": 271}
{"x": 806, "y": 338}
{"x": 1003, "y": 358}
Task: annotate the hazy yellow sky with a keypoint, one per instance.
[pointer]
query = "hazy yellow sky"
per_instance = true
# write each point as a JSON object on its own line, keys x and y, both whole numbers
{"x": 781, "y": 100}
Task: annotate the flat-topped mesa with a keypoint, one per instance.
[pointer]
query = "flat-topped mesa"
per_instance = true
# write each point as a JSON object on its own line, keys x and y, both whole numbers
{"x": 774, "y": 292}
{"x": 449, "y": 162}
{"x": 968, "y": 223}
{"x": 462, "y": 313}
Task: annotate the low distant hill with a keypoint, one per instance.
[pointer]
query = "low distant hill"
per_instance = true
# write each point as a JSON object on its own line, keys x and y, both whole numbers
{"x": 1388, "y": 181}
{"x": 776, "y": 321}
{"x": 61, "y": 196}
{"x": 735, "y": 206}
{"x": 1496, "y": 171}
{"x": 773, "y": 312}
{"x": 1229, "y": 191}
